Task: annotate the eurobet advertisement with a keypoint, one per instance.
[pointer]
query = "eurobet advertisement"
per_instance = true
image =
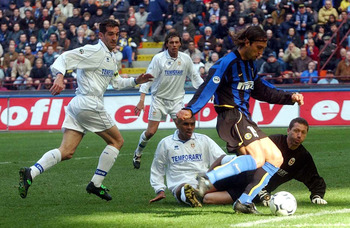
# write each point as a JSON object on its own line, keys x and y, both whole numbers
{"x": 47, "y": 113}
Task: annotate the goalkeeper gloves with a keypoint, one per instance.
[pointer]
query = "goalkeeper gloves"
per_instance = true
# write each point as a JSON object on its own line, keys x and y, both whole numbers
{"x": 318, "y": 200}
{"x": 264, "y": 197}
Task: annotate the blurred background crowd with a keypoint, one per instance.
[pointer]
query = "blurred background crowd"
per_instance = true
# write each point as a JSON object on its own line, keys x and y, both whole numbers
{"x": 308, "y": 41}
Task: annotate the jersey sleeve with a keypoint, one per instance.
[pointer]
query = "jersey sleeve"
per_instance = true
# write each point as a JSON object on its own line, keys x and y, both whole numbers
{"x": 122, "y": 83}
{"x": 214, "y": 149}
{"x": 154, "y": 70}
{"x": 158, "y": 168}
{"x": 265, "y": 91}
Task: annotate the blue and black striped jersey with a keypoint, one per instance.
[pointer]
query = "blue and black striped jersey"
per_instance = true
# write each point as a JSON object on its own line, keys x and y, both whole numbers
{"x": 233, "y": 81}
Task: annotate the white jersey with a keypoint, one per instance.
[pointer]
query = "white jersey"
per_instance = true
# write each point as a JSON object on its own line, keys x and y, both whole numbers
{"x": 181, "y": 161}
{"x": 170, "y": 76}
{"x": 96, "y": 67}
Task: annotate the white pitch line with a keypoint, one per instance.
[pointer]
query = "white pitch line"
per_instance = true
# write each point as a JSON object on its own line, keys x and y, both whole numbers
{"x": 279, "y": 219}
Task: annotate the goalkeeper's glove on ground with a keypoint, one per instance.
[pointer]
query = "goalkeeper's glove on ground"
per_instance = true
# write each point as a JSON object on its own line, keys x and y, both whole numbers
{"x": 318, "y": 200}
{"x": 264, "y": 197}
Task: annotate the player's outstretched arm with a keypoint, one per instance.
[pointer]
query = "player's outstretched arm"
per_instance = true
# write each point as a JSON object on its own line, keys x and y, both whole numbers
{"x": 58, "y": 85}
{"x": 299, "y": 98}
{"x": 140, "y": 106}
{"x": 184, "y": 114}
{"x": 160, "y": 196}
{"x": 144, "y": 78}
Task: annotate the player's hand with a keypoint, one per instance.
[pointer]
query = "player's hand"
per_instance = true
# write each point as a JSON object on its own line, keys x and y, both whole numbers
{"x": 264, "y": 197}
{"x": 318, "y": 200}
{"x": 184, "y": 114}
{"x": 140, "y": 106}
{"x": 144, "y": 78}
{"x": 160, "y": 196}
{"x": 58, "y": 85}
{"x": 299, "y": 98}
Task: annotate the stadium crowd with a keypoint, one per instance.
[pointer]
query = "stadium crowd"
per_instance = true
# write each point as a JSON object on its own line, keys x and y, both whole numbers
{"x": 308, "y": 41}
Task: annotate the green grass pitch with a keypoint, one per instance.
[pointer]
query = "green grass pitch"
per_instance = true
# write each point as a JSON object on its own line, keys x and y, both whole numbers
{"x": 58, "y": 198}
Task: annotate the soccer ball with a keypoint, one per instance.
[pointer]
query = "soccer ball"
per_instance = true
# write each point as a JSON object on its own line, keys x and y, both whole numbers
{"x": 283, "y": 203}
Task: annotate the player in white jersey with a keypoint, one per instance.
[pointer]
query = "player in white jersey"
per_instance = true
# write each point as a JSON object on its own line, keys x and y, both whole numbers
{"x": 180, "y": 157}
{"x": 96, "y": 66}
{"x": 169, "y": 69}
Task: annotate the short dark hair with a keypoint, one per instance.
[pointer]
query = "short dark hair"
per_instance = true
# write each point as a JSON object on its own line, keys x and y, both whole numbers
{"x": 107, "y": 23}
{"x": 298, "y": 120}
{"x": 170, "y": 35}
{"x": 252, "y": 33}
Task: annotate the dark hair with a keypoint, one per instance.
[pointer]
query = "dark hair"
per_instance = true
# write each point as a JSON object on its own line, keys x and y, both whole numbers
{"x": 107, "y": 23}
{"x": 298, "y": 120}
{"x": 252, "y": 34}
{"x": 170, "y": 35}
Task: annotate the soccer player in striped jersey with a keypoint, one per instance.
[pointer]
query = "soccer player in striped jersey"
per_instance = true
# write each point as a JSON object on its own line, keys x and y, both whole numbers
{"x": 233, "y": 80}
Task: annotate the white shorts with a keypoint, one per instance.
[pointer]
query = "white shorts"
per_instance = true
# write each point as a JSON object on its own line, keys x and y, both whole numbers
{"x": 87, "y": 120}
{"x": 159, "y": 108}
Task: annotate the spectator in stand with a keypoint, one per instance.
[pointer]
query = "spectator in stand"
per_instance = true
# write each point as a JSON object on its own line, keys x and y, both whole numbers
{"x": 120, "y": 10}
{"x": 272, "y": 44}
{"x": 332, "y": 20}
{"x": 31, "y": 30}
{"x": 206, "y": 54}
{"x": 134, "y": 31}
{"x": 75, "y": 19}
{"x": 285, "y": 26}
{"x": 291, "y": 37}
{"x": 9, "y": 56}
{"x": 9, "y": 11}
{"x": 212, "y": 24}
{"x": 24, "y": 8}
{"x": 72, "y": 32}
{"x": 157, "y": 9}
{"x": 272, "y": 69}
{"x": 58, "y": 16}
{"x": 235, "y": 3}
{"x": 319, "y": 36}
{"x": 39, "y": 72}
{"x": 213, "y": 59}
{"x": 2, "y": 88}
{"x": 328, "y": 79}
{"x": 21, "y": 69}
{"x": 47, "y": 84}
{"x": 344, "y": 6}
{"x": 343, "y": 69}
{"x": 310, "y": 75}
{"x": 88, "y": 6}
{"x": 313, "y": 13}
{"x": 66, "y": 8}
{"x": 86, "y": 19}
{"x": 326, "y": 51}
{"x": 197, "y": 64}
{"x": 28, "y": 84}
{"x": 97, "y": 18}
{"x": 87, "y": 30}
{"x": 186, "y": 39}
{"x": 312, "y": 50}
{"x": 207, "y": 40}
{"x": 256, "y": 22}
{"x": 325, "y": 11}
{"x": 60, "y": 27}
{"x": 278, "y": 15}
{"x": 288, "y": 6}
{"x": 267, "y": 6}
{"x": 16, "y": 33}
{"x": 79, "y": 40}
{"x": 220, "y": 50}
{"x": 127, "y": 46}
{"x": 193, "y": 8}
{"x": 53, "y": 41}
{"x": 192, "y": 51}
{"x": 131, "y": 12}
{"x": 169, "y": 28}
{"x": 254, "y": 11}
{"x": 44, "y": 33}
{"x": 290, "y": 54}
{"x": 28, "y": 55}
{"x": 22, "y": 43}
{"x": 93, "y": 39}
{"x": 232, "y": 15}
{"x": 222, "y": 29}
{"x": 269, "y": 24}
{"x": 44, "y": 17}
{"x": 49, "y": 56}
{"x": 172, "y": 9}
{"x": 215, "y": 10}
{"x": 302, "y": 20}
{"x": 185, "y": 25}
{"x": 301, "y": 63}
{"x": 245, "y": 4}
{"x": 34, "y": 45}
{"x": 178, "y": 14}
{"x": 228, "y": 44}
{"x": 15, "y": 17}
{"x": 25, "y": 21}
{"x": 203, "y": 73}
{"x": 141, "y": 21}
{"x": 287, "y": 77}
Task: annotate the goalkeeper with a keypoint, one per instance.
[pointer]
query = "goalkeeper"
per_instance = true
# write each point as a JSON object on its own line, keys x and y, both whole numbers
{"x": 298, "y": 164}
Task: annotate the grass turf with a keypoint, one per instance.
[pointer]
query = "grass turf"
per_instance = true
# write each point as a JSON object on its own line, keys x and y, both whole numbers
{"x": 58, "y": 197}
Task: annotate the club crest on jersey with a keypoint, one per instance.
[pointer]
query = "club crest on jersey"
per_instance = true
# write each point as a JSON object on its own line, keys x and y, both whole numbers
{"x": 291, "y": 161}
{"x": 81, "y": 51}
{"x": 216, "y": 79}
{"x": 179, "y": 63}
{"x": 192, "y": 145}
{"x": 248, "y": 136}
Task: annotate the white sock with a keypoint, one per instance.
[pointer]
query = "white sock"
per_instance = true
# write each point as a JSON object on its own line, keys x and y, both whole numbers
{"x": 142, "y": 144}
{"x": 48, "y": 160}
{"x": 105, "y": 163}
{"x": 183, "y": 196}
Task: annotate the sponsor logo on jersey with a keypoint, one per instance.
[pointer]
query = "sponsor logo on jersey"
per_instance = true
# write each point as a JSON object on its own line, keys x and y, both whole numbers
{"x": 245, "y": 85}
{"x": 108, "y": 59}
{"x": 173, "y": 72}
{"x": 216, "y": 79}
{"x": 248, "y": 136}
{"x": 176, "y": 147}
{"x": 107, "y": 73}
{"x": 291, "y": 161}
{"x": 81, "y": 51}
{"x": 186, "y": 158}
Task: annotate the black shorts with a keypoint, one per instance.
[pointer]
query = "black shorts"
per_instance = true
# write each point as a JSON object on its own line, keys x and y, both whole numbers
{"x": 235, "y": 185}
{"x": 237, "y": 130}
